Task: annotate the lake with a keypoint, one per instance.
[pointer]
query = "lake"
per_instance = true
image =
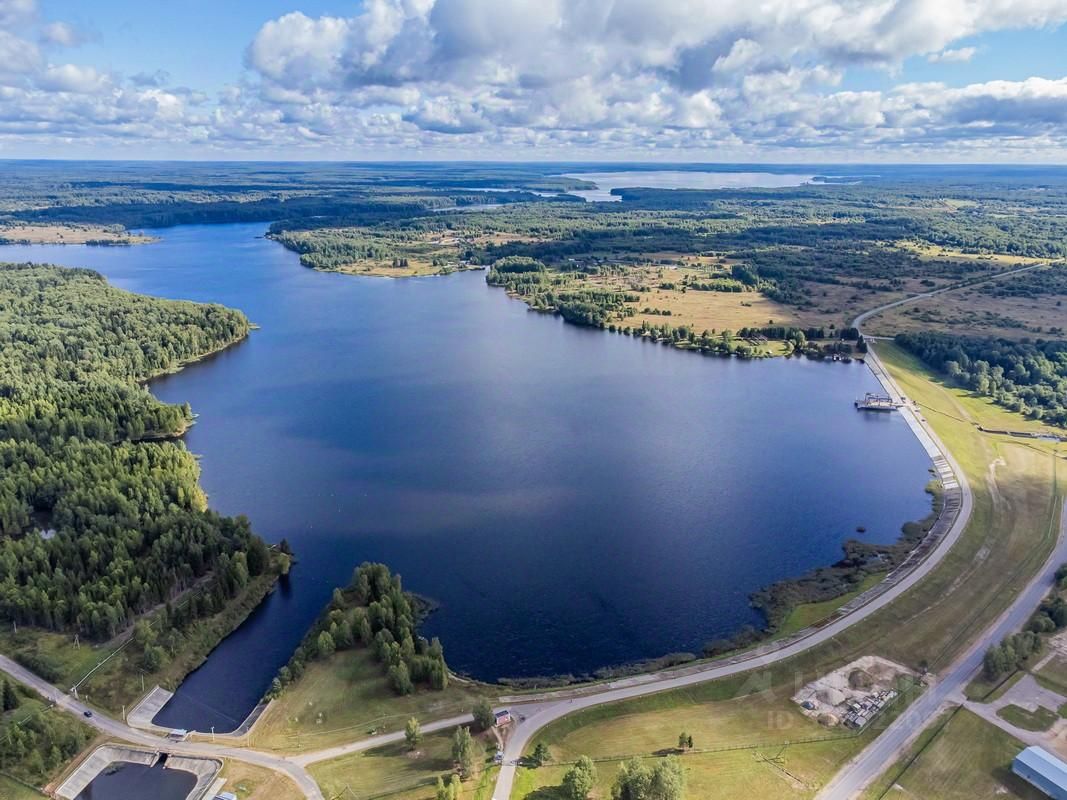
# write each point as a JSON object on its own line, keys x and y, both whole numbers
{"x": 571, "y": 498}
{"x": 680, "y": 179}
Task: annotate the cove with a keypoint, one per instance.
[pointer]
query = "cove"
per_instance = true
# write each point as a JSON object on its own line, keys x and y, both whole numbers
{"x": 570, "y": 498}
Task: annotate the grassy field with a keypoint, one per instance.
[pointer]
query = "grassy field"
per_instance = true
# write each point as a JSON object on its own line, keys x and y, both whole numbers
{"x": 69, "y": 234}
{"x": 118, "y": 681}
{"x": 417, "y": 267}
{"x": 1054, "y": 674}
{"x": 748, "y": 741}
{"x": 249, "y": 782}
{"x": 347, "y": 697}
{"x": 982, "y": 691}
{"x": 1040, "y": 720}
{"x": 966, "y": 758}
{"x": 1016, "y": 503}
{"x": 807, "y": 614}
{"x": 978, "y": 311}
{"x": 397, "y": 773}
{"x": 1017, "y": 487}
{"x": 13, "y": 790}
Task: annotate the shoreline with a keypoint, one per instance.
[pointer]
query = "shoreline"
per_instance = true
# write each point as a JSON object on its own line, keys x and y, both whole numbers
{"x": 30, "y": 234}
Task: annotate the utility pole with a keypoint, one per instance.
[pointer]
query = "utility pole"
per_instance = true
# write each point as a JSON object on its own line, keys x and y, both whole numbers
{"x": 142, "y": 683}
{"x": 123, "y": 712}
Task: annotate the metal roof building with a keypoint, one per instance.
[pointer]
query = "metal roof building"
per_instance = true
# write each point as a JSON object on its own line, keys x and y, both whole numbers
{"x": 1042, "y": 770}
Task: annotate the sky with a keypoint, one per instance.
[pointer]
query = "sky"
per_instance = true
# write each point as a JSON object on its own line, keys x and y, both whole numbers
{"x": 787, "y": 81}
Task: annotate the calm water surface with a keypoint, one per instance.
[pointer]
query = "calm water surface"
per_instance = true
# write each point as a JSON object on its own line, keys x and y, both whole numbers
{"x": 571, "y": 498}
{"x": 140, "y": 782}
{"x": 680, "y": 179}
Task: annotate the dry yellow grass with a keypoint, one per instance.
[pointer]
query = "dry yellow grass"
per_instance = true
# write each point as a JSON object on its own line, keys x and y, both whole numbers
{"x": 973, "y": 312}
{"x": 417, "y": 267}
{"x": 995, "y": 261}
{"x": 249, "y": 782}
{"x": 69, "y": 234}
{"x": 400, "y": 774}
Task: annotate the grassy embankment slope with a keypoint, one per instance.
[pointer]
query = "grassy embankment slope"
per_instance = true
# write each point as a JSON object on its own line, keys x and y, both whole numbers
{"x": 347, "y": 697}
{"x": 395, "y": 772}
{"x": 1009, "y": 536}
{"x": 117, "y": 681}
{"x": 959, "y": 757}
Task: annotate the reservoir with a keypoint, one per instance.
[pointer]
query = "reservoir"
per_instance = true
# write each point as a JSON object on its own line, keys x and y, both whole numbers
{"x": 125, "y": 781}
{"x": 570, "y": 498}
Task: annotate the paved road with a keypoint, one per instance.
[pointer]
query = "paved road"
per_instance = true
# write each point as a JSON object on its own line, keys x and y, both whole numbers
{"x": 553, "y": 706}
{"x": 884, "y": 750}
{"x": 549, "y": 709}
{"x": 376, "y": 741}
{"x": 534, "y": 715}
{"x": 866, "y": 315}
{"x": 889, "y": 746}
{"x": 120, "y": 730}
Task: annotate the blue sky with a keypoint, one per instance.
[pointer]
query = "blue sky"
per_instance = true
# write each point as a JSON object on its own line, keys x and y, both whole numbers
{"x": 782, "y": 80}
{"x": 200, "y": 43}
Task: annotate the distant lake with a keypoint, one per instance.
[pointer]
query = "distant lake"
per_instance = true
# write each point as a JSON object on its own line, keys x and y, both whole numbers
{"x": 667, "y": 179}
{"x": 571, "y": 498}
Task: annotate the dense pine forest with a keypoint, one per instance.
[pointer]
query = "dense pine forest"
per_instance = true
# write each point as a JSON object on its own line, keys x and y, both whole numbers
{"x": 101, "y": 516}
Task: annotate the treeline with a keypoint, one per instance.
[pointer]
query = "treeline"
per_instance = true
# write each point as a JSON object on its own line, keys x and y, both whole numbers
{"x": 551, "y": 291}
{"x": 1019, "y": 649}
{"x": 97, "y": 526}
{"x": 373, "y": 611}
{"x": 73, "y": 351}
{"x": 1029, "y": 377}
{"x": 33, "y": 745}
{"x": 543, "y": 291}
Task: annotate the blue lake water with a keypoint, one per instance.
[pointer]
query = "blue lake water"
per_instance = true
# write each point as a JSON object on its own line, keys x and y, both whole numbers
{"x": 571, "y": 498}
{"x": 680, "y": 179}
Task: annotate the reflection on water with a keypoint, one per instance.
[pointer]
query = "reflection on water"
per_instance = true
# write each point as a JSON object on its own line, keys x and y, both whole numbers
{"x": 571, "y": 498}
{"x": 668, "y": 179}
{"x": 125, "y": 781}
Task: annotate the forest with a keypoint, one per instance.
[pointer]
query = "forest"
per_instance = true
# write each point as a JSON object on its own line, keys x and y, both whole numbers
{"x": 373, "y": 611}
{"x": 101, "y": 514}
{"x": 1029, "y": 377}
{"x": 36, "y": 741}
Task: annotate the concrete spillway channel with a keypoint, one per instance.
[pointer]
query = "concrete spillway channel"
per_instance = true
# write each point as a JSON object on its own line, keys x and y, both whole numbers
{"x": 204, "y": 770}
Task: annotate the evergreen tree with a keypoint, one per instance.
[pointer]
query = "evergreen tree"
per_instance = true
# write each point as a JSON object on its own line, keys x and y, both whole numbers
{"x": 463, "y": 751}
{"x": 412, "y": 733}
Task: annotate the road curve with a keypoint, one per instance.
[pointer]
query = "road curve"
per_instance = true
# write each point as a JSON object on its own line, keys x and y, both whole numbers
{"x": 857, "y": 323}
{"x": 553, "y": 706}
{"x": 883, "y": 751}
{"x": 119, "y": 730}
{"x": 532, "y": 716}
